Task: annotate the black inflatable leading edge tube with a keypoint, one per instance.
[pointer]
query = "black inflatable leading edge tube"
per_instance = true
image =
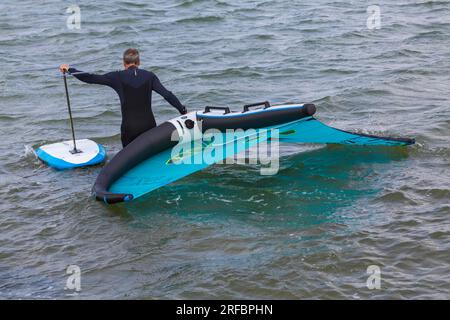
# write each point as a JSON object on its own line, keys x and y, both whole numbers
{"x": 269, "y": 117}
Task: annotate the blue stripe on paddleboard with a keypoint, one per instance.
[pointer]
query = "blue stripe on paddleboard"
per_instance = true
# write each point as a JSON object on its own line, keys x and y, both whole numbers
{"x": 60, "y": 164}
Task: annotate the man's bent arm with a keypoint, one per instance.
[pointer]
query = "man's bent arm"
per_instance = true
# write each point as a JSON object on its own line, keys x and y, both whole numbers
{"x": 167, "y": 95}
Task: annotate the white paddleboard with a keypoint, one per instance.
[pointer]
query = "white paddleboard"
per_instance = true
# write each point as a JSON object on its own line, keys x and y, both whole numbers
{"x": 59, "y": 155}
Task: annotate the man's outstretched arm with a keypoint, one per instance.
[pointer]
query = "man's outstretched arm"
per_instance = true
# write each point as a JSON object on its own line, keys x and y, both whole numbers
{"x": 105, "y": 79}
{"x": 167, "y": 95}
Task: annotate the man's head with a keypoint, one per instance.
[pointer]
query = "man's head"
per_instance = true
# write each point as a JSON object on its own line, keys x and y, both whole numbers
{"x": 131, "y": 58}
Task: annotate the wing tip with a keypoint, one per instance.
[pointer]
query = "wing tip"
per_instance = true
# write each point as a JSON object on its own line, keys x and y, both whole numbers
{"x": 310, "y": 108}
{"x": 112, "y": 198}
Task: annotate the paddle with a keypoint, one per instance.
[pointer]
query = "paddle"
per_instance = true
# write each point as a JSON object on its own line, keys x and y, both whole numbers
{"x": 75, "y": 150}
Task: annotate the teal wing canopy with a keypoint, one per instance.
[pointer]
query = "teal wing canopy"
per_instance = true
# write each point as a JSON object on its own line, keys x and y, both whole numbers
{"x": 169, "y": 166}
{"x": 311, "y": 130}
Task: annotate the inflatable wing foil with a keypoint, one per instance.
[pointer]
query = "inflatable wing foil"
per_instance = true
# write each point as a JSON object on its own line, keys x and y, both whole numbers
{"x": 159, "y": 156}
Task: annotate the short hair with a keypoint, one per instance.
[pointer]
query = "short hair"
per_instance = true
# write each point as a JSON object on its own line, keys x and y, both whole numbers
{"x": 131, "y": 56}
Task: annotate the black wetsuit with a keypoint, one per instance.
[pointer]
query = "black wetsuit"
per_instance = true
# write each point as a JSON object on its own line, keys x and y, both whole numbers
{"x": 134, "y": 87}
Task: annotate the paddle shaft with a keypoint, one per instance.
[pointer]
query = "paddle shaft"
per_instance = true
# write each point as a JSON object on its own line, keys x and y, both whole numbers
{"x": 70, "y": 115}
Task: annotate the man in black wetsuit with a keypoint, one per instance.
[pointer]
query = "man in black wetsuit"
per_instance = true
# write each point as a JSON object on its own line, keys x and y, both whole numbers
{"x": 134, "y": 87}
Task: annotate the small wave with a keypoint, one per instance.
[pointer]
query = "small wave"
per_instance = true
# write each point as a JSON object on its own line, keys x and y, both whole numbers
{"x": 81, "y": 119}
{"x": 243, "y": 11}
{"x": 108, "y": 140}
{"x": 438, "y": 235}
{"x": 431, "y": 35}
{"x": 398, "y": 53}
{"x": 328, "y": 104}
{"x": 231, "y": 72}
{"x": 428, "y": 4}
{"x": 29, "y": 150}
{"x": 29, "y": 157}
{"x": 396, "y": 197}
{"x": 188, "y": 3}
{"x": 201, "y": 19}
{"x": 326, "y": 99}
{"x": 123, "y": 30}
{"x": 354, "y": 34}
{"x": 263, "y": 36}
{"x": 410, "y": 71}
{"x": 106, "y": 113}
{"x": 310, "y": 30}
{"x": 442, "y": 11}
{"x": 133, "y": 4}
{"x": 374, "y": 92}
{"x": 124, "y": 21}
{"x": 10, "y": 118}
{"x": 337, "y": 71}
{"x": 435, "y": 193}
